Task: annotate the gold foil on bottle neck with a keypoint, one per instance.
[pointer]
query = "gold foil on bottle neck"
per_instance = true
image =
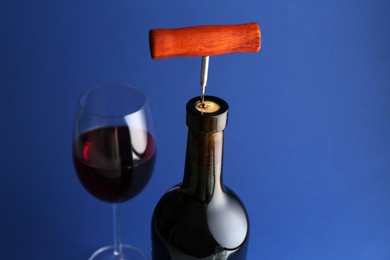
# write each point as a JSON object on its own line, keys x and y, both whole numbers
{"x": 207, "y": 107}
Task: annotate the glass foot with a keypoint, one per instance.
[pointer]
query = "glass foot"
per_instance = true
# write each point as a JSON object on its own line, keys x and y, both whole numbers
{"x": 128, "y": 253}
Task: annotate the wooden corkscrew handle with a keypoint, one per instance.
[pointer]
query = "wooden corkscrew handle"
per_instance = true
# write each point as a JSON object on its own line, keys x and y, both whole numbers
{"x": 206, "y": 40}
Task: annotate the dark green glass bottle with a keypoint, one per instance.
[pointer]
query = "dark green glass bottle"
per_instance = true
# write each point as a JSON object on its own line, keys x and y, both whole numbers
{"x": 201, "y": 218}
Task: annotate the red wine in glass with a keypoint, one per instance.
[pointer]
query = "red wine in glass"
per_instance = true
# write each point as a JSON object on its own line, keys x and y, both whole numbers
{"x": 108, "y": 164}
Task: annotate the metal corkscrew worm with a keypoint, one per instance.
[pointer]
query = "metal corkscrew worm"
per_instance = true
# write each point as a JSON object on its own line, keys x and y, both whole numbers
{"x": 203, "y": 77}
{"x": 204, "y": 41}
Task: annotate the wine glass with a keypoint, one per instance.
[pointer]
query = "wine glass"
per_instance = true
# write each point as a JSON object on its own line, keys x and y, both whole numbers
{"x": 114, "y": 153}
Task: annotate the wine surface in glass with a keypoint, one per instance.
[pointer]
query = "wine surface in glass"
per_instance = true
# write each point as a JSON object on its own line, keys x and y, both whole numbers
{"x": 114, "y": 163}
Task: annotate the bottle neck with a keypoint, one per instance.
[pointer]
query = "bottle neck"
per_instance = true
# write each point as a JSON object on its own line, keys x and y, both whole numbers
{"x": 203, "y": 166}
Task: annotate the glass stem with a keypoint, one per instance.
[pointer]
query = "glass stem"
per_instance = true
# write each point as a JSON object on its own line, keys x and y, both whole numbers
{"x": 118, "y": 254}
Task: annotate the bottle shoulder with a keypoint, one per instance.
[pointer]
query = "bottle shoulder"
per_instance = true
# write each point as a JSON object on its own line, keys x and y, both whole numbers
{"x": 175, "y": 193}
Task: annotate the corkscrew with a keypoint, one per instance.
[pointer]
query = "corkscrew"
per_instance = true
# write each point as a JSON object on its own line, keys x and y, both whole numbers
{"x": 204, "y": 41}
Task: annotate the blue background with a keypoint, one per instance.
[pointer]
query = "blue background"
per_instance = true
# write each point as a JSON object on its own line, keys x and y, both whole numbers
{"x": 307, "y": 145}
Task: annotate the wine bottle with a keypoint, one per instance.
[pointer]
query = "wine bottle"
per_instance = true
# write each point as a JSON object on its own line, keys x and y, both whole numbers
{"x": 201, "y": 218}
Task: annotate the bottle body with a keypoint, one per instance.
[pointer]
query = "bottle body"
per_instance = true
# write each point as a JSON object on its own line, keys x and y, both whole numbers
{"x": 184, "y": 230}
{"x": 201, "y": 218}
